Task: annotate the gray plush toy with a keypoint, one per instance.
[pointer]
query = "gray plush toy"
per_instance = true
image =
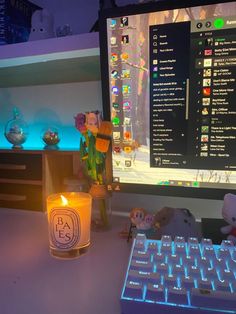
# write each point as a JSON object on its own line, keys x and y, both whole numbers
{"x": 176, "y": 222}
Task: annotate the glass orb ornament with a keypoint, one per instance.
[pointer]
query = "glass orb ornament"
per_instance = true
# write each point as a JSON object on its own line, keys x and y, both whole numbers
{"x": 51, "y": 138}
{"x": 16, "y": 130}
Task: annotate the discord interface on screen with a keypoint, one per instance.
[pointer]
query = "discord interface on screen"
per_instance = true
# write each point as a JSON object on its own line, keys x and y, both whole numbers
{"x": 172, "y": 95}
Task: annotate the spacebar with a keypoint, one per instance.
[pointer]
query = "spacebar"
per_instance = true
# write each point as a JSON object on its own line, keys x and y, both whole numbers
{"x": 214, "y": 299}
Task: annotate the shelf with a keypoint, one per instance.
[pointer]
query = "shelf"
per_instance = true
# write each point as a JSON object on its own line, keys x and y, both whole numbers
{"x": 50, "y": 61}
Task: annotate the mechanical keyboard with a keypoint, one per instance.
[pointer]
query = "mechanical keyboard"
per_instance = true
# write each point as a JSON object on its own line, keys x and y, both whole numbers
{"x": 178, "y": 276}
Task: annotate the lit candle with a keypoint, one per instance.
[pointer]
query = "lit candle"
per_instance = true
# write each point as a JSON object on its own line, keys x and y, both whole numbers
{"x": 69, "y": 217}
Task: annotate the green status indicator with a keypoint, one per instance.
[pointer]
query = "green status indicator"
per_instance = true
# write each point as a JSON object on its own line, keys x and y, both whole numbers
{"x": 219, "y": 23}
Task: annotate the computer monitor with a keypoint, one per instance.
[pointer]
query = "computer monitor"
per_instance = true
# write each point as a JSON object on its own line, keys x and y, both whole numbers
{"x": 168, "y": 82}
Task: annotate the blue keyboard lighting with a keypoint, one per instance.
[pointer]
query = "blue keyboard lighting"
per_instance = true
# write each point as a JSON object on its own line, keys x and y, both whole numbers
{"x": 178, "y": 276}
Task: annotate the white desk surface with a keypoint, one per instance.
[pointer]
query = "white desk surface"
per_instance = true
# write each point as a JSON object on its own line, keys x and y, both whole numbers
{"x": 33, "y": 282}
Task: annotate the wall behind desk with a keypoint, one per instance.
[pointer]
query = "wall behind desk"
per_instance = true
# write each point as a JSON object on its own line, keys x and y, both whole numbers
{"x": 49, "y": 105}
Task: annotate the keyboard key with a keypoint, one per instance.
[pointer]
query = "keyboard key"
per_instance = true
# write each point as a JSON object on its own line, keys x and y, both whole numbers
{"x": 210, "y": 273}
{"x": 166, "y": 248}
{"x": 152, "y": 247}
{"x": 162, "y": 268}
{"x": 166, "y": 239}
{"x": 219, "y": 263}
{"x": 133, "y": 290}
{"x": 155, "y": 293}
{"x": 208, "y": 252}
{"x": 173, "y": 259}
{"x": 222, "y": 285}
{"x": 203, "y": 262}
{"x": 227, "y": 275}
{"x": 206, "y": 242}
{"x": 213, "y": 299}
{"x": 224, "y": 254}
{"x": 194, "y": 272}
{"x": 159, "y": 258}
{"x": 204, "y": 284}
{"x": 179, "y": 240}
{"x": 188, "y": 261}
{"x": 192, "y": 240}
{"x": 177, "y": 295}
{"x": 170, "y": 280}
{"x": 142, "y": 256}
{"x": 178, "y": 270}
{"x": 141, "y": 265}
{"x": 187, "y": 282}
{"x": 180, "y": 249}
{"x": 194, "y": 250}
{"x": 232, "y": 265}
{"x": 142, "y": 277}
{"x": 227, "y": 244}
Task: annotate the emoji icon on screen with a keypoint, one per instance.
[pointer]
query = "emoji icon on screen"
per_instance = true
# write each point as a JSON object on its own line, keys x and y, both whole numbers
{"x": 126, "y": 105}
{"x": 114, "y": 74}
{"x": 206, "y": 101}
{"x": 127, "y": 149}
{"x": 125, "y": 73}
{"x": 116, "y": 121}
{"x": 116, "y": 135}
{"x": 209, "y": 42}
{"x": 207, "y": 63}
{"x": 124, "y": 56}
{"x": 206, "y": 82}
{"x": 206, "y": 91}
{"x": 127, "y": 135}
{"x": 204, "y": 138}
{"x": 115, "y": 105}
{"x": 128, "y": 163}
{"x": 207, "y": 72}
{"x": 124, "y": 21}
{"x": 117, "y": 149}
{"x": 113, "y": 23}
{"x": 205, "y": 111}
{"x": 113, "y": 40}
{"x": 114, "y": 57}
{"x": 126, "y": 89}
{"x": 127, "y": 121}
{"x": 205, "y": 129}
{"x": 115, "y": 90}
{"x": 207, "y": 52}
{"x": 204, "y": 147}
{"x": 125, "y": 39}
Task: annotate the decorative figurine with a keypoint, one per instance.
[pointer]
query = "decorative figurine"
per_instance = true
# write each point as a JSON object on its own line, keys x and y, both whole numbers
{"x": 16, "y": 130}
{"x": 141, "y": 222}
{"x": 229, "y": 215}
{"x": 51, "y": 138}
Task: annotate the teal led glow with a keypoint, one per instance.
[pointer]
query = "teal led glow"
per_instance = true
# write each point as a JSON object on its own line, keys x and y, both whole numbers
{"x": 219, "y": 23}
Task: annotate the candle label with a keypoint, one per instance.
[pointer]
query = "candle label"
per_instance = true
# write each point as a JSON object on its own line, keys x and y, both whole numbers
{"x": 64, "y": 227}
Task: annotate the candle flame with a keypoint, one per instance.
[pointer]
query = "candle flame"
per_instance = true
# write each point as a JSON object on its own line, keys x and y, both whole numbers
{"x": 64, "y": 200}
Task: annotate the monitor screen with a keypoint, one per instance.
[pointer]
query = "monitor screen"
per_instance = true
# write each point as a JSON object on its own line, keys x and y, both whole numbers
{"x": 168, "y": 82}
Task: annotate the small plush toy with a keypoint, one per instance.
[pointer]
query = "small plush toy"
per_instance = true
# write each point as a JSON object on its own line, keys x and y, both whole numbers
{"x": 229, "y": 215}
{"x": 41, "y": 25}
{"x": 175, "y": 222}
{"x": 141, "y": 222}
{"x": 137, "y": 215}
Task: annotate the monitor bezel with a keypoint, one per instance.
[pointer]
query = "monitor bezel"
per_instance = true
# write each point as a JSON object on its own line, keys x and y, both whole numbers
{"x": 162, "y": 190}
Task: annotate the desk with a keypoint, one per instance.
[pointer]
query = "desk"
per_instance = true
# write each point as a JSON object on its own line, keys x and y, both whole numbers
{"x": 31, "y": 281}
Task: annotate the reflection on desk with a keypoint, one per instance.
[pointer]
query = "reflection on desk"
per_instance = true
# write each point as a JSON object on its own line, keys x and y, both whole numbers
{"x": 34, "y": 282}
